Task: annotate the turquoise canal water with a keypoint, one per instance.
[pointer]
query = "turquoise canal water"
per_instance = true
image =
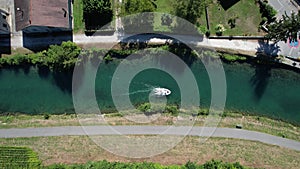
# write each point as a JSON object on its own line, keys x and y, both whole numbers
{"x": 253, "y": 89}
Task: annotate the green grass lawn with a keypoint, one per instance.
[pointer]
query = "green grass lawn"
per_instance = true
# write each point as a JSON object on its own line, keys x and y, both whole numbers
{"x": 81, "y": 149}
{"x": 246, "y": 12}
{"x": 78, "y": 16}
{"x": 163, "y": 6}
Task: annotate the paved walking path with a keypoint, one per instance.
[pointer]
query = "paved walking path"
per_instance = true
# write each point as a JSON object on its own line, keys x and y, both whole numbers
{"x": 151, "y": 130}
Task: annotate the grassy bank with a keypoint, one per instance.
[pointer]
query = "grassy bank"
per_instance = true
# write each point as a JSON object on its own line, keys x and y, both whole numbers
{"x": 79, "y": 25}
{"x": 229, "y": 119}
{"x": 80, "y": 149}
{"x": 246, "y": 14}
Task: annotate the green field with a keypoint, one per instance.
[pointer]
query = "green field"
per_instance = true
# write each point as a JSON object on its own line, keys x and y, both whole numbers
{"x": 246, "y": 13}
{"x": 18, "y": 157}
{"x": 163, "y": 6}
{"x": 78, "y": 16}
{"x": 81, "y": 149}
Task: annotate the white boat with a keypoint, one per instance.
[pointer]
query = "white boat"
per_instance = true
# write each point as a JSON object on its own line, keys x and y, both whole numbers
{"x": 161, "y": 91}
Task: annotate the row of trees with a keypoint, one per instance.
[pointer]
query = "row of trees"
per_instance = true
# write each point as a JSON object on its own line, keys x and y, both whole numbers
{"x": 190, "y": 10}
{"x": 57, "y": 57}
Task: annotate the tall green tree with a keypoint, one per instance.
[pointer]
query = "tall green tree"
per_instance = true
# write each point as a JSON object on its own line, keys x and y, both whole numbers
{"x": 97, "y": 13}
{"x": 190, "y": 10}
{"x": 62, "y": 57}
{"x": 285, "y": 28}
{"x": 143, "y": 20}
{"x": 139, "y": 6}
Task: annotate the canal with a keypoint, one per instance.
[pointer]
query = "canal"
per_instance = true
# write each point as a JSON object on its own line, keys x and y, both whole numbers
{"x": 252, "y": 89}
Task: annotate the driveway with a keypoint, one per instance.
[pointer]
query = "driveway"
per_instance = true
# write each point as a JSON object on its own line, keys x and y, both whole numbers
{"x": 151, "y": 130}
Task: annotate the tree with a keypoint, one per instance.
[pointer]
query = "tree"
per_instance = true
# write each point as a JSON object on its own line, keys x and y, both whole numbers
{"x": 97, "y": 13}
{"x": 166, "y": 20}
{"x": 220, "y": 29}
{"x": 190, "y": 10}
{"x": 232, "y": 22}
{"x": 267, "y": 11}
{"x": 62, "y": 57}
{"x": 139, "y": 6}
{"x": 144, "y": 20}
{"x": 286, "y": 28}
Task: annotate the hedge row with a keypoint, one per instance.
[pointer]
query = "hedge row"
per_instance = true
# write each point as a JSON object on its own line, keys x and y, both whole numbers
{"x": 119, "y": 165}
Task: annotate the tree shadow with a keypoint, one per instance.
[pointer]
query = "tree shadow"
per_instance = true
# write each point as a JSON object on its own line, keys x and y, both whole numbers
{"x": 96, "y": 20}
{"x": 63, "y": 79}
{"x": 177, "y": 47}
{"x": 38, "y": 38}
{"x": 5, "y": 44}
{"x": 268, "y": 49}
{"x": 226, "y": 4}
{"x": 266, "y": 54}
{"x": 260, "y": 79}
{"x": 24, "y": 68}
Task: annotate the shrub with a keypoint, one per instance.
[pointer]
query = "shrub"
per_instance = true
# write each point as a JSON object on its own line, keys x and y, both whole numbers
{"x": 203, "y": 112}
{"x": 220, "y": 29}
{"x": 207, "y": 33}
{"x": 267, "y": 11}
{"x": 62, "y": 57}
{"x": 144, "y": 107}
{"x": 107, "y": 58}
{"x": 166, "y": 20}
{"x": 233, "y": 58}
{"x": 46, "y": 116}
{"x": 173, "y": 110}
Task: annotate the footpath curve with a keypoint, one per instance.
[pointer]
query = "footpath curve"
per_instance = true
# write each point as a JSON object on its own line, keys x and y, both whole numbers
{"x": 150, "y": 130}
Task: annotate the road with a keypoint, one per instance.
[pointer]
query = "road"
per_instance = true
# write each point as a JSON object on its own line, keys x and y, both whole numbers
{"x": 282, "y": 6}
{"x": 151, "y": 130}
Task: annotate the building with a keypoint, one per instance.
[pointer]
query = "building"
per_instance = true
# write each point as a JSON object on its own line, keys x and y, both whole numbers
{"x": 38, "y": 15}
{"x": 4, "y": 26}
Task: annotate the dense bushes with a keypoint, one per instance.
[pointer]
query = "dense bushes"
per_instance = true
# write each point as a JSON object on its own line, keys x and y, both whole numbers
{"x": 109, "y": 165}
{"x": 97, "y": 13}
{"x": 267, "y": 11}
{"x": 64, "y": 57}
{"x": 57, "y": 57}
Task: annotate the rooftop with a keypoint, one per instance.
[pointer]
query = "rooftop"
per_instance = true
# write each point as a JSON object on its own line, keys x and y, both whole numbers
{"x": 52, "y": 13}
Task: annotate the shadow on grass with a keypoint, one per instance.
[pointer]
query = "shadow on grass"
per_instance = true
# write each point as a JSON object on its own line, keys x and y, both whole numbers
{"x": 40, "y": 38}
{"x": 226, "y": 4}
